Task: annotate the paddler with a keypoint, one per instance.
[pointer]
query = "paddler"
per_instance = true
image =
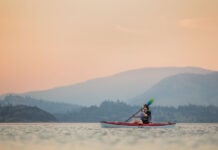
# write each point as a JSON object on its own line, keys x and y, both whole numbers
{"x": 145, "y": 115}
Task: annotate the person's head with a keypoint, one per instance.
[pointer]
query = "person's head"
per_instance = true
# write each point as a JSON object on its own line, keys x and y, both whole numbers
{"x": 146, "y": 107}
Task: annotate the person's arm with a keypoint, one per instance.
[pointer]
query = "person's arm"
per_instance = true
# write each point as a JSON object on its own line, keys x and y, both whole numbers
{"x": 142, "y": 114}
{"x": 139, "y": 115}
{"x": 145, "y": 114}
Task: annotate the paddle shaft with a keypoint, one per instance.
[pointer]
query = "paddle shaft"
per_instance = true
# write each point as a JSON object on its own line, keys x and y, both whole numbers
{"x": 134, "y": 114}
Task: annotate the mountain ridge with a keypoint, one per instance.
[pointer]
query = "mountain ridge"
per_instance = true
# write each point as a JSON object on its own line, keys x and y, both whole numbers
{"x": 122, "y": 86}
{"x": 183, "y": 89}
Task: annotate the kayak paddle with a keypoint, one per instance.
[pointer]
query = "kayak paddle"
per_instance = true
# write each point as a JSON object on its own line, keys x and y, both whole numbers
{"x": 151, "y": 101}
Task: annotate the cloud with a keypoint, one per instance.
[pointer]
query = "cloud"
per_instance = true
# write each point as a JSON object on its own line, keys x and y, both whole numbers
{"x": 206, "y": 24}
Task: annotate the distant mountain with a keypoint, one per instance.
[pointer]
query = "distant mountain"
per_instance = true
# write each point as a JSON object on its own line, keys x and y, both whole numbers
{"x": 23, "y": 113}
{"x": 122, "y": 86}
{"x": 51, "y": 107}
{"x": 183, "y": 89}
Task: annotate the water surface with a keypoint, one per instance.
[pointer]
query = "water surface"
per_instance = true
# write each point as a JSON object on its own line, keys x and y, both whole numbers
{"x": 87, "y": 136}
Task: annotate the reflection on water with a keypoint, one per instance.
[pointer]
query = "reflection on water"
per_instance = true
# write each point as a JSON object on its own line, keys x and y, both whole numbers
{"x": 84, "y": 136}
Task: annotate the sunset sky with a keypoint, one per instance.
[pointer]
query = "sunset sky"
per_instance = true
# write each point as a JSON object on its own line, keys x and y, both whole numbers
{"x": 50, "y": 43}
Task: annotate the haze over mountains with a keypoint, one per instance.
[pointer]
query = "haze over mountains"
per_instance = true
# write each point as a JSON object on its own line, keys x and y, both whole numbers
{"x": 123, "y": 86}
{"x": 183, "y": 89}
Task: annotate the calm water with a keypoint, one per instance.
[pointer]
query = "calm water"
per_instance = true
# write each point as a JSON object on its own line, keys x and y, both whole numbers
{"x": 84, "y": 136}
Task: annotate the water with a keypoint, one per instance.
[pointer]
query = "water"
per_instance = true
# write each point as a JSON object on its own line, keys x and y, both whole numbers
{"x": 88, "y": 136}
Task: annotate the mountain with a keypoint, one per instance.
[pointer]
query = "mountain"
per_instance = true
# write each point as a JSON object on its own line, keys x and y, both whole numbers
{"x": 122, "y": 86}
{"x": 23, "y": 113}
{"x": 183, "y": 89}
{"x": 51, "y": 107}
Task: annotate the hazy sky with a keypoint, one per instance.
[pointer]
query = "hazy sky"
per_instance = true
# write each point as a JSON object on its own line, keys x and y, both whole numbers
{"x": 49, "y": 43}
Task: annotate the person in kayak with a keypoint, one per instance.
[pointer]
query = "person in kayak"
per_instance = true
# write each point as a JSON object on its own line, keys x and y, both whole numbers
{"x": 145, "y": 115}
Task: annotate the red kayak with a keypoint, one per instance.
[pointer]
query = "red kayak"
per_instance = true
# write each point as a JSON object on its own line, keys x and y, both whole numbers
{"x": 106, "y": 124}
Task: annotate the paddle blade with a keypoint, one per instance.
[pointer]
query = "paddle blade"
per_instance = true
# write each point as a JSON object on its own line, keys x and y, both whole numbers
{"x": 151, "y": 101}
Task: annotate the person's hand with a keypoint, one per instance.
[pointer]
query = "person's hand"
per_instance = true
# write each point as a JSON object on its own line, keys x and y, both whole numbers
{"x": 144, "y": 114}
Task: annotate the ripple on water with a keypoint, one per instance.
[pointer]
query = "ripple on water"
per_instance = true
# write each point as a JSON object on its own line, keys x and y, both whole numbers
{"x": 86, "y": 136}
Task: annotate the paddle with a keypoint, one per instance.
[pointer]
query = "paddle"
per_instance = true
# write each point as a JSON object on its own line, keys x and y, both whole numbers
{"x": 151, "y": 101}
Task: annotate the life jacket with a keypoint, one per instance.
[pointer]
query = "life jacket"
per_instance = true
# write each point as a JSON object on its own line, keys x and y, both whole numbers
{"x": 146, "y": 119}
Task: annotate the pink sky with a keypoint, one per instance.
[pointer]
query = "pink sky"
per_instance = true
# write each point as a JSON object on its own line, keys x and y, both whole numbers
{"x": 50, "y": 43}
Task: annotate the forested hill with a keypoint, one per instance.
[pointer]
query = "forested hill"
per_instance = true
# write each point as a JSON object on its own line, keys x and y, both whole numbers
{"x": 23, "y": 113}
{"x": 110, "y": 111}
{"x": 119, "y": 111}
{"x": 48, "y": 106}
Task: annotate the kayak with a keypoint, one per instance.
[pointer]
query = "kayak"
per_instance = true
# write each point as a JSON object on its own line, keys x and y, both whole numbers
{"x": 106, "y": 124}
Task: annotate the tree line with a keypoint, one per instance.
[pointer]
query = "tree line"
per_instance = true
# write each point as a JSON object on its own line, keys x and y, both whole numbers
{"x": 120, "y": 111}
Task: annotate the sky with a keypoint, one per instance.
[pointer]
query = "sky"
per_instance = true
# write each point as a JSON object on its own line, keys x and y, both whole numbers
{"x": 51, "y": 43}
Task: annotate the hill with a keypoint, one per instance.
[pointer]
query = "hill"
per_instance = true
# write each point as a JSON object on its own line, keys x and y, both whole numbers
{"x": 122, "y": 86}
{"x": 51, "y": 107}
{"x": 23, "y": 113}
{"x": 183, "y": 89}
